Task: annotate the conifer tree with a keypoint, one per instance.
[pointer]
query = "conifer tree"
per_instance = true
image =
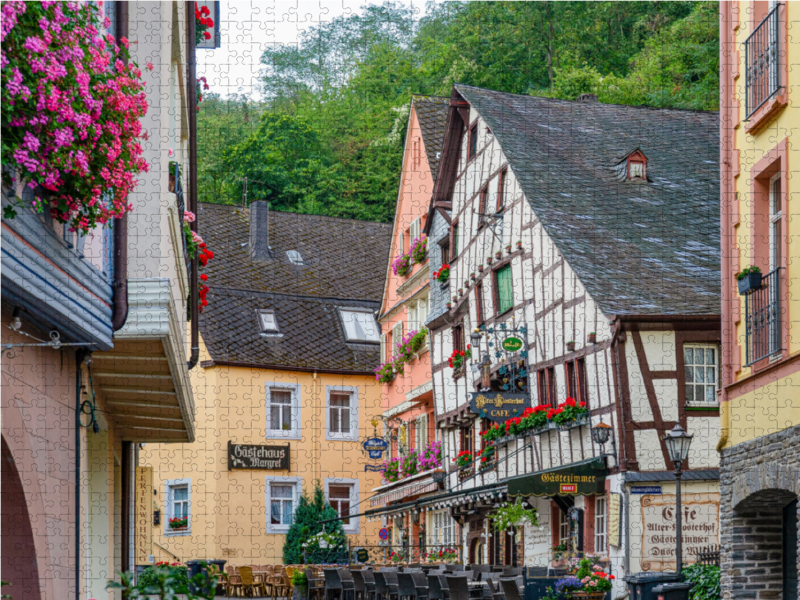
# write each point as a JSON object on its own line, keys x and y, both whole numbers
{"x": 306, "y": 529}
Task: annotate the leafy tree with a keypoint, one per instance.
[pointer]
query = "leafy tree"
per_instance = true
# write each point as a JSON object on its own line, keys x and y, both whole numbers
{"x": 311, "y": 510}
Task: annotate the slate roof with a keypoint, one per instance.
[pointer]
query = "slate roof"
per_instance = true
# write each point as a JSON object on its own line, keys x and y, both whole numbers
{"x": 639, "y": 248}
{"x": 432, "y": 117}
{"x": 344, "y": 262}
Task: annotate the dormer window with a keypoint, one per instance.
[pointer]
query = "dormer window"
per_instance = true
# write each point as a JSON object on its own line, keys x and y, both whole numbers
{"x": 267, "y": 321}
{"x": 359, "y": 325}
{"x": 294, "y": 257}
{"x": 637, "y": 166}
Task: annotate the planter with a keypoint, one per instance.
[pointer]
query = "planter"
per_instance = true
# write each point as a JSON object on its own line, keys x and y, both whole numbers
{"x": 570, "y": 346}
{"x": 466, "y": 283}
{"x": 460, "y": 291}
{"x": 584, "y": 420}
{"x": 498, "y": 255}
{"x": 519, "y": 245}
{"x": 459, "y": 372}
{"x": 489, "y": 260}
{"x": 508, "y": 249}
{"x": 749, "y": 283}
{"x": 472, "y": 276}
{"x": 592, "y": 338}
{"x": 588, "y": 595}
{"x": 545, "y": 428}
{"x": 444, "y": 285}
{"x": 480, "y": 268}
{"x": 171, "y": 187}
{"x": 449, "y": 305}
{"x": 300, "y": 592}
{"x": 561, "y": 563}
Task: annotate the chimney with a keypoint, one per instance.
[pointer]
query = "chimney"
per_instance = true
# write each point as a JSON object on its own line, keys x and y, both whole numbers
{"x": 587, "y": 98}
{"x": 258, "y": 246}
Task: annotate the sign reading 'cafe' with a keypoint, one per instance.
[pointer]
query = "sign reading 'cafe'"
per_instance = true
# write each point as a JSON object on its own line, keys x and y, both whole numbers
{"x": 248, "y": 456}
{"x": 498, "y": 407}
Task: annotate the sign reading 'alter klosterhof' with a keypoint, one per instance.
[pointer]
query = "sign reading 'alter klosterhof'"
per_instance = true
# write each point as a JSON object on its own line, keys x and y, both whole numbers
{"x": 497, "y": 406}
{"x": 248, "y": 456}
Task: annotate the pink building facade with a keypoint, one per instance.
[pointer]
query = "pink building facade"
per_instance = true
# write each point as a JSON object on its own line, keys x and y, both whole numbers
{"x": 405, "y": 376}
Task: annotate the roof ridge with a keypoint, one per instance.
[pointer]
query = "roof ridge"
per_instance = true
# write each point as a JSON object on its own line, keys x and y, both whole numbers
{"x": 546, "y": 98}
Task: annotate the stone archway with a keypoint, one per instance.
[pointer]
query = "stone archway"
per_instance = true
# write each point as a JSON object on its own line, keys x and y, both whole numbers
{"x": 476, "y": 552}
{"x": 18, "y": 547}
{"x": 755, "y": 529}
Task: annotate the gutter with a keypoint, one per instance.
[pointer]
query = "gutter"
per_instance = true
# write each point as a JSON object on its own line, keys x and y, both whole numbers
{"x": 119, "y": 312}
{"x": 191, "y": 101}
{"x": 79, "y": 357}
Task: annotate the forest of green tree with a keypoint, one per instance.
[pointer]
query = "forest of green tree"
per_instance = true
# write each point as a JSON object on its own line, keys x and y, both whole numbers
{"x": 328, "y": 139}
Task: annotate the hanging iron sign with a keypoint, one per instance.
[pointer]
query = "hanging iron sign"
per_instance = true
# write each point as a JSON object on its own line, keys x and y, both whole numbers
{"x": 498, "y": 407}
{"x": 512, "y": 344}
{"x": 375, "y": 447}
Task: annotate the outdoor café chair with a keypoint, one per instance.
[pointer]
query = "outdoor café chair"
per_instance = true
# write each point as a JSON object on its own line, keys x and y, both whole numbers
{"x": 407, "y": 589}
{"x": 369, "y": 582}
{"x": 421, "y": 583}
{"x": 459, "y": 589}
{"x": 434, "y": 587}
{"x": 512, "y": 571}
{"x": 360, "y": 585}
{"x": 316, "y": 585}
{"x": 333, "y": 584}
{"x": 386, "y": 589}
{"x": 445, "y": 587}
{"x": 348, "y": 585}
{"x": 495, "y": 592}
{"x": 249, "y": 585}
{"x": 281, "y": 586}
{"x": 510, "y": 588}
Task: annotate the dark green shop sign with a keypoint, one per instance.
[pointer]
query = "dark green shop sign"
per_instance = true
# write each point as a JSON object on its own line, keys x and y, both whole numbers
{"x": 512, "y": 344}
{"x": 498, "y": 407}
{"x": 586, "y": 478}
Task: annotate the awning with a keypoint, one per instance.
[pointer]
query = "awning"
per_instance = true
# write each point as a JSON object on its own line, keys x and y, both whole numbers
{"x": 413, "y": 489}
{"x": 585, "y": 478}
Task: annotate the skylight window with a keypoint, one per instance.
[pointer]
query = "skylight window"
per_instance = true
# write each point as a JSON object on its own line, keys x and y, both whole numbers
{"x": 360, "y": 325}
{"x": 267, "y": 321}
{"x": 294, "y": 257}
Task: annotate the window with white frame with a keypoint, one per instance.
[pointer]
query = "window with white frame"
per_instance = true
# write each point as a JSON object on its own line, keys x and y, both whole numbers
{"x": 563, "y": 528}
{"x": 417, "y": 313}
{"x": 441, "y": 528}
{"x": 775, "y": 219}
{"x": 600, "y": 530}
{"x": 342, "y": 410}
{"x": 701, "y": 366}
{"x": 177, "y": 506}
{"x": 359, "y": 325}
{"x": 267, "y": 321}
{"x": 283, "y": 410}
{"x": 342, "y": 495}
{"x": 283, "y": 495}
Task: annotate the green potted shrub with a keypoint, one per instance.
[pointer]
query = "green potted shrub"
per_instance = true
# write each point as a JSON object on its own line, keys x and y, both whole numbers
{"x": 749, "y": 280}
{"x": 299, "y": 585}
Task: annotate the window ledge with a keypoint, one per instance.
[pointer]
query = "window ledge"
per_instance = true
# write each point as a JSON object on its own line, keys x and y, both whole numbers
{"x": 764, "y": 115}
{"x": 278, "y": 529}
{"x": 702, "y": 406}
{"x": 290, "y": 436}
{"x": 178, "y": 532}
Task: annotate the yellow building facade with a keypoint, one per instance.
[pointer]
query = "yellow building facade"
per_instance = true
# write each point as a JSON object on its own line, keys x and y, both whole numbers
{"x": 760, "y": 408}
{"x": 285, "y": 391}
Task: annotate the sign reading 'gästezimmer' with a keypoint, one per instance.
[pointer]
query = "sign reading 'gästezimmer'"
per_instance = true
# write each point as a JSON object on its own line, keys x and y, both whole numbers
{"x": 248, "y": 456}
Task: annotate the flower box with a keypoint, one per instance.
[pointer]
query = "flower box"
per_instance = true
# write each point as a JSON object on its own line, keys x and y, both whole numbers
{"x": 588, "y": 595}
{"x": 570, "y": 346}
{"x": 583, "y": 420}
{"x": 592, "y": 338}
{"x": 498, "y": 255}
{"x": 466, "y": 473}
{"x": 177, "y": 524}
{"x": 489, "y": 260}
{"x": 750, "y": 283}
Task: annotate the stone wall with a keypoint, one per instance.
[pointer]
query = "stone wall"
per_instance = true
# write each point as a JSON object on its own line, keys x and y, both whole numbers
{"x": 757, "y": 480}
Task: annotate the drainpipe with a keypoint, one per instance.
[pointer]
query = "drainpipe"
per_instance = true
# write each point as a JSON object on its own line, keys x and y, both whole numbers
{"x": 80, "y": 355}
{"x": 191, "y": 97}
{"x": 120, "y": 286}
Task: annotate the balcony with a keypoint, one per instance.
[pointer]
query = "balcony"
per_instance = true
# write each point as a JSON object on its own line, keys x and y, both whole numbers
{"x": 762, "y": 72}
{"x": 763, "y": 319}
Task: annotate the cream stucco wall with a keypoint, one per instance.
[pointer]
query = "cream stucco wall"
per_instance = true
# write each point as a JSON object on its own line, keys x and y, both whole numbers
{"x": 228, "y": 508}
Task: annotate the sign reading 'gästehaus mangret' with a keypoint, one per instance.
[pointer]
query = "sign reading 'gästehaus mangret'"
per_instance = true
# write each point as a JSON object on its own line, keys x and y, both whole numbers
{"x": 248, "y": 456}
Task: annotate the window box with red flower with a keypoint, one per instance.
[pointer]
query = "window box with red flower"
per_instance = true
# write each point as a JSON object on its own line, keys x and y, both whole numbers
{"x": 177, "y": 524}
{"x": 195, "y": 246}
{"x": 442, "y": 275}
{"x": 569, "y": 414}
{"x": 458, "y": 359}
{"x": 487, "y": 457}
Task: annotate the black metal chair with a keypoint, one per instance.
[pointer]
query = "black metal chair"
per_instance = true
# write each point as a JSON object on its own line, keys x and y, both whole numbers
{"x": 393, "y": 588}
{"x": 510, "y": 588}
{"x": 421, "y": 583}
{"x": 494, "y": 591}
{"x": 407, "y": 589}
{"x": 458, "y": 586}
{"x": 333, "y": 584}
{"x": 369, "y": 582}
{"x": 512, "y": 571}
{"x": 360, "y": 585}
{"x": 316, "y": 586}
{"x": 434, "y": 587}
{"x": 445, "y": 587}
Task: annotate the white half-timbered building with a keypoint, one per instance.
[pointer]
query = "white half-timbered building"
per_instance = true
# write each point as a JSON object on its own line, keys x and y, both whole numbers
{"x": 593, "y": 231}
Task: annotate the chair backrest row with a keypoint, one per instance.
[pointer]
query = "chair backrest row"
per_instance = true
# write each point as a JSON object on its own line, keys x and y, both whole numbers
{"x": 459, "y": 589}
{"x": 510, "y": 588}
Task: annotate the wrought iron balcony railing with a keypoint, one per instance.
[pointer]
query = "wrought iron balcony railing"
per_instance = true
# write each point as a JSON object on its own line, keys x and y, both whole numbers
{"x": 762, "y": 58}
{"x": 763, "y": 318}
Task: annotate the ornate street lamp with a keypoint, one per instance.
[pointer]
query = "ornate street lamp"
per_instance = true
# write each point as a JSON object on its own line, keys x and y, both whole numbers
{"x": 678, "y": 442}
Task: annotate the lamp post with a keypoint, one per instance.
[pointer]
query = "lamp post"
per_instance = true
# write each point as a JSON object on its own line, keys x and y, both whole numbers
{"x": 678, "y": 442}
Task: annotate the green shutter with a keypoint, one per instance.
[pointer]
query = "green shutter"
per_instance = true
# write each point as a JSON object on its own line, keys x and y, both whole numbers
{"x": 505, "y": 296}
{"x": 455, "y": 240}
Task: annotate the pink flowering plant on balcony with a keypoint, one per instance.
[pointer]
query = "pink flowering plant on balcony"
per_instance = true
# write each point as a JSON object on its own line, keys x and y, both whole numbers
{"x": 419, "y": 249}
{"x": 412, "y": 343}
{"x": 402, "y": 265}
{"x": 71, "y": 112}
{"x": 430, "y": 457}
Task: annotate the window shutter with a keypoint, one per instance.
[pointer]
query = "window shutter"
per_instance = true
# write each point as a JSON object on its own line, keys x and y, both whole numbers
{"x": 414, "y": 229}
{"x": 397, "y": 334}
{"x": 384, "y": 356}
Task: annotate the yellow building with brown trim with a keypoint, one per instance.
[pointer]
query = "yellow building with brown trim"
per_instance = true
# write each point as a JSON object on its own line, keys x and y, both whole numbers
{"x": 760, "y": 407}
{"x": 286, "y": 390}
